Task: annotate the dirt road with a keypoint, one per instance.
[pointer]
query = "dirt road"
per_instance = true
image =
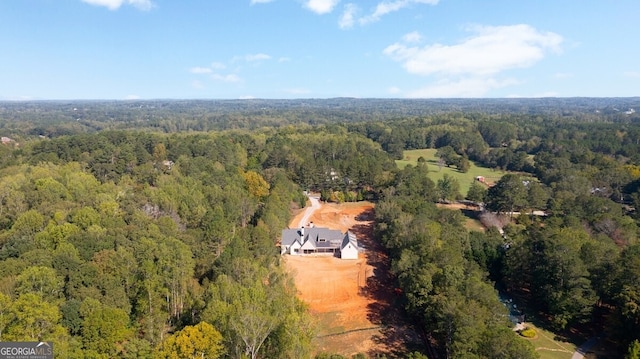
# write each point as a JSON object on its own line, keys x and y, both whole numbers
{"x": 308, "y": 212}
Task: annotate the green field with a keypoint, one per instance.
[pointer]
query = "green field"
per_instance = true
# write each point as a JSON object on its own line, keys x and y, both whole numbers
{"x": 549, "y": 346}
{"x": 410, "y": 157}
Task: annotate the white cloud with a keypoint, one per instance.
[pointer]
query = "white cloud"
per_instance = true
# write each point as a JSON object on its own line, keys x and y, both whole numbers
{"x": 412, "y": 37}
{"x": 632, "y": 74}
{"x": 386, "y": 7}
{"x": 260, "y": 1}
{"x": 348, "y": 16}
{"x": 115, "y": 4}
{"x": 491, "y": 50}
{"x": 132, "y": 97}
{"x": 199, "y": 70}
{"x": 473, "y": 66}
{"x": 284, "y": 59}
{"x": 321, "y": 6}
{"x": 469, "y": 87}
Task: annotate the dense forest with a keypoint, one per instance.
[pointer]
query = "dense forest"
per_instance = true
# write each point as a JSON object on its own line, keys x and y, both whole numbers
{"x": 147, "y": 229}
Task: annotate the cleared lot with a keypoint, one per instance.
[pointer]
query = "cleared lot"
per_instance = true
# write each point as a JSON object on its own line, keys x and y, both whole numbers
{"x": 350, "y": 299}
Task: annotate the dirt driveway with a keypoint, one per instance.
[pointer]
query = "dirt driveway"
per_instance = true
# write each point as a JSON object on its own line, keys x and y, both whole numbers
{"x": 351, "y": 300}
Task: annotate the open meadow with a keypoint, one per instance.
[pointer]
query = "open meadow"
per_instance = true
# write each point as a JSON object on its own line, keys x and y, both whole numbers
{"x": 436, "y": 172}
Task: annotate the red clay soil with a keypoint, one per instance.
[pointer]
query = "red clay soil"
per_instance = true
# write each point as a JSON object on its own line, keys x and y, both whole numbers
{"x": 351, "y": 300}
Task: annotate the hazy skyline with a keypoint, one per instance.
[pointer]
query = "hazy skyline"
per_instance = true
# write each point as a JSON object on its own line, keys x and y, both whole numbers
{"x": 149, "y": 49}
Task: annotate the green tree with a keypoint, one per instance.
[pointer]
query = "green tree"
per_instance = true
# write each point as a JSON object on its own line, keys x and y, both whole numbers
{"x": 32, "y": 319}
{"x": 627, "y": 294}
{"x": 548, "y": 263}
{"x": 508, "y": 195}
{"x": 5, "y": 304}
{"x": 537, "y": 196}
{"x": 104, "y": 328}
{"x": 28, "y": 224}
{"x": 463, "y": 164}
{"x": 117, "y": 270}
{"x": 71, "y": 319}
{"x": 414, "y": 182}
{"x": 501, "y": 343}
{"x": 43, "y": 281}
{"x": 477, "y": 192}
{"x": 159, "y": 153}
{"x": 254, "y": 319}
{"x": 448, "y": 155}
{"x": 448, "y": 188}
{"x": 634, "y": 350}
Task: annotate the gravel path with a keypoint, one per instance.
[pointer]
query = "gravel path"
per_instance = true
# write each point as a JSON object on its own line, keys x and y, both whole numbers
{"x": 308, "y": 212}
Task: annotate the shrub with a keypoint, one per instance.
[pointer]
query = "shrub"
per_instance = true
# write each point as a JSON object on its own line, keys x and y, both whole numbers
{"x": 528, "y": 332}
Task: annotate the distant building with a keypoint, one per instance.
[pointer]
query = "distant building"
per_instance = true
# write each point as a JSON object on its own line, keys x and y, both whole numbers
{"x": 319, "y": 241}
{"x": 6, "y": 140}
{"x": 168, "y": 164}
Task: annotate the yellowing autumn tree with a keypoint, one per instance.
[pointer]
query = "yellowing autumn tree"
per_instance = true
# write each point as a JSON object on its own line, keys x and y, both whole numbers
{"x": 256, "y": 185}
{"x": 198, "y": 341}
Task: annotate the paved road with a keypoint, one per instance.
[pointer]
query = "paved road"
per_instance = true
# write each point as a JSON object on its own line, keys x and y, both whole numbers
{"x": 308, "y": 212}
{"x": 582, "y": 350}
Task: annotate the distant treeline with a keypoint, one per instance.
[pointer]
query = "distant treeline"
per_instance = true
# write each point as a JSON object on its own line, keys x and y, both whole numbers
{"x": 55, "y": 118}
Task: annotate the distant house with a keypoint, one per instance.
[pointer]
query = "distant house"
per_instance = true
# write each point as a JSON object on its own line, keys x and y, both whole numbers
{"x": 314, "y": 240}
{"x": 168, "y": 164}
{"x": 6, "y": 140}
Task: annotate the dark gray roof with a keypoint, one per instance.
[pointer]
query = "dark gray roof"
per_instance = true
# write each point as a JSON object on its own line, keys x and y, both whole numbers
{"x": 349, "y": 238}
{"x": 333, "y": 238}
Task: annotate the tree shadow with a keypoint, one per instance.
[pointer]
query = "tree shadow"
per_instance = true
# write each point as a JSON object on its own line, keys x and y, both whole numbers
{"x": 396, "y": 332}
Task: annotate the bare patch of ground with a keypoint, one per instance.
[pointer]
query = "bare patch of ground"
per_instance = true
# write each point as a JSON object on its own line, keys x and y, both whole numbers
{"x": 353, "y": 301}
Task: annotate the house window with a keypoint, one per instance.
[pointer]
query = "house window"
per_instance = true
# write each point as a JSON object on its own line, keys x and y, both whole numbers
{"x": 322, "y": 240}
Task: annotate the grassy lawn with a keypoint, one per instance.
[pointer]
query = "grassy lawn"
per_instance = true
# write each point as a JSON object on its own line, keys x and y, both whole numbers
{"x": 549, "y": 347}
{"x": 473, "y": 225}
{"x": 435, "y": 172}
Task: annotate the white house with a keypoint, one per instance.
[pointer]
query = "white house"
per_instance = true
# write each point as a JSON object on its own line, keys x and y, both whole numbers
{"x": 314, "y": 241}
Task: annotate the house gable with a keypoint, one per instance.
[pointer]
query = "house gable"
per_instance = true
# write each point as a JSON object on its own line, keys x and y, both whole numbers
{"x": 349, "y": 246}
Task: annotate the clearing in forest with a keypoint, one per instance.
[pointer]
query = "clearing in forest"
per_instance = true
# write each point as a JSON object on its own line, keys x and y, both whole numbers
{"x": 436, "y": 172}
{"x": 351, "y": 300}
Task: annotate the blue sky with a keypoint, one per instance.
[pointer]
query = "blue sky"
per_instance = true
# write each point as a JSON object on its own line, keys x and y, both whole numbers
{"x": 229, "y": 49}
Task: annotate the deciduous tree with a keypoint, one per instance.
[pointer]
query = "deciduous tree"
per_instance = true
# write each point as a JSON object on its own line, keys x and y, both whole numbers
{"x": 199, "y": 341}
